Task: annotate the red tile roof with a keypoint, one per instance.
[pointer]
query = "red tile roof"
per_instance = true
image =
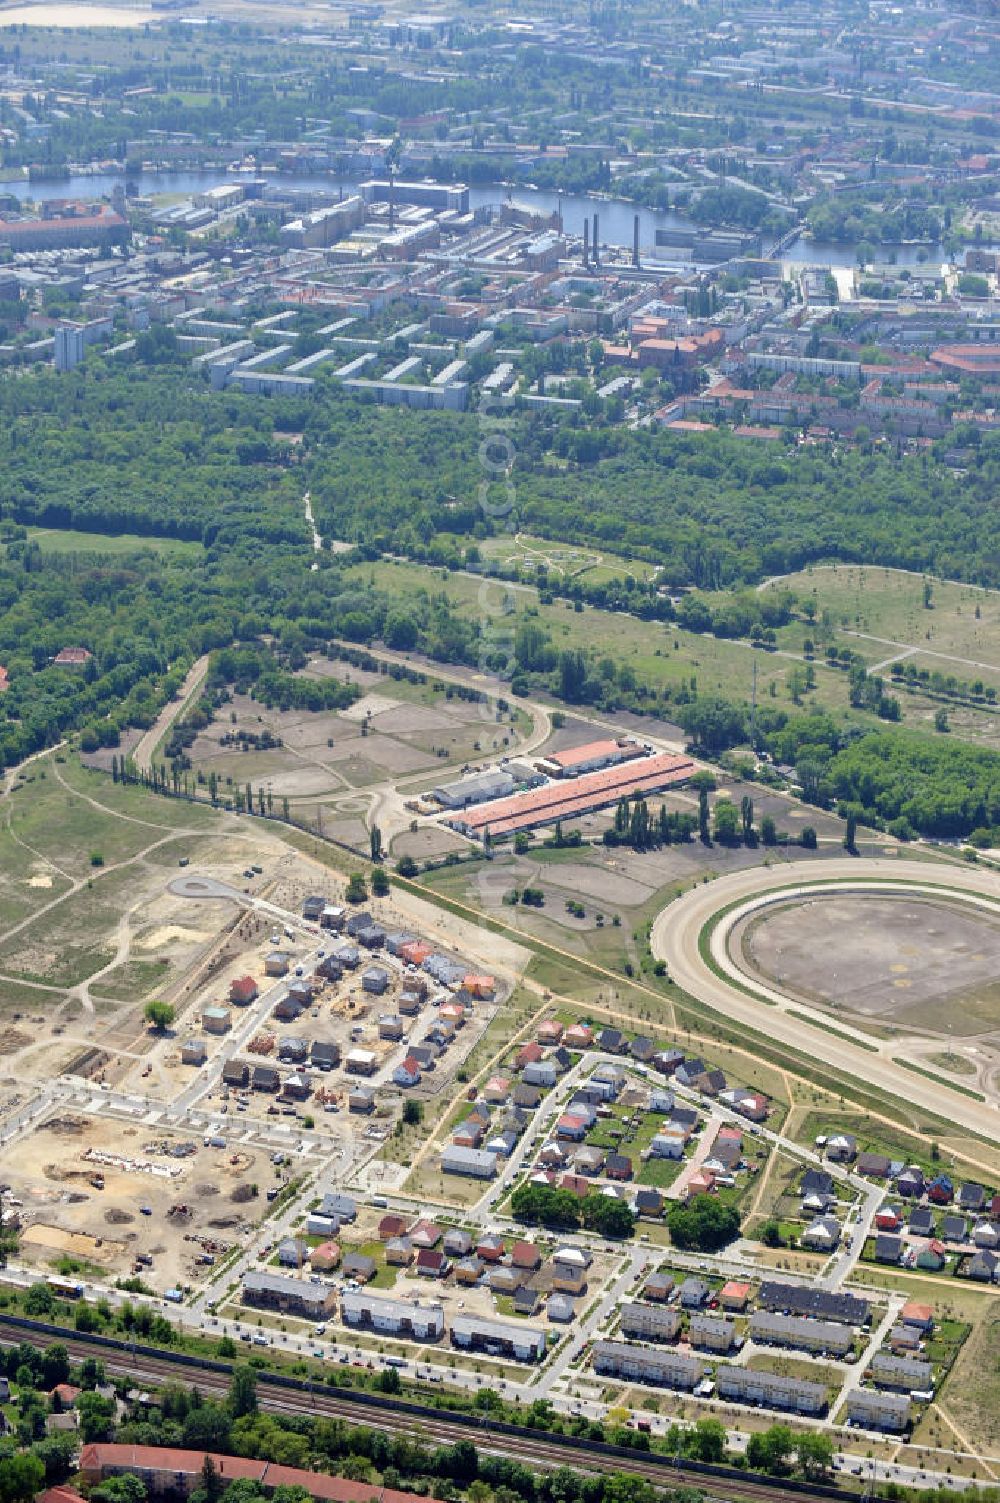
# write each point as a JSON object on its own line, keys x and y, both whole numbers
{"x": 590, "y": 791}
{"x": 100, "y": 1459}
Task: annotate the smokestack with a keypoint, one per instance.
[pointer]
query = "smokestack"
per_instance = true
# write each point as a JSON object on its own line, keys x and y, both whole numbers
{"x": 635, "y": 242}
{"x": 392, "y": 202}
{"x": 597, "y": 254}
{"x": 586, "y": 244}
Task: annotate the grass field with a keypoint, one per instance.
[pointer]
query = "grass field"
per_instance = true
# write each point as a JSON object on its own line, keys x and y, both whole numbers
{"x": 890, "y": 603}
{"x": 57, "y": 540}
{"x": 665, "y": 657}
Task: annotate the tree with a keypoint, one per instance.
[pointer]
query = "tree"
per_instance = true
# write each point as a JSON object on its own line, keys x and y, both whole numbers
{"x": 407, "y": 867}
{"x": 704, "y": 1225}
{"x": 413, "y": 1112}
{"x": 713, "y": 724}
{"x": 769, "y": 1450}
{"x": 941, "y": 720}
{"x": 210, "y": 1486}
{"x": 55, "y": 1365}
{"x": 807, "y": 839}
{"x": 611, "y": 1218}
{"x": 703, "y": 830}
{"x": 768, "y": 831}
{"x": 97, "y": 1416}
{"x": 357, "y": 888}
{"x": 159, "y": 1015}
{"x": 708, "y": 1440}
{"x": 814, "y": 1455}
{"x": 375, "y": 843}
{"x": 746, "y": 816}
{"x": 126, "y": 1488}
{"x": 242, "y": 1396}
{"x": 380, "y": 882}
{"x": 39, "y": 1300}
{"x": 727, "y": 822}
{"x": 21, "y": 1477}
{"x": 851, "y": 832}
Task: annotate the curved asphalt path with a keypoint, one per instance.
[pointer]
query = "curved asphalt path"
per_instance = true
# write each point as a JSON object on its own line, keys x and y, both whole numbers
{"x": 675, "y": 939}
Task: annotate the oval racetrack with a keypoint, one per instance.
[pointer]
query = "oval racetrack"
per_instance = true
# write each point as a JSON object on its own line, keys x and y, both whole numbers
{"x": 704, "y": 917}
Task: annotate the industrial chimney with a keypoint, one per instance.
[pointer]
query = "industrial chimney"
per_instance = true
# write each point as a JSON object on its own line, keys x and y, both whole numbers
{"x": 586, "y": 244}
{"x": 597, "y": 254}
{"x": 635, "y": 242}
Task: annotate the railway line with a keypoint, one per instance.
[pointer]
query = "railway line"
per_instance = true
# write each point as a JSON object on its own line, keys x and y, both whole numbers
{"x": 300, "y": 1396}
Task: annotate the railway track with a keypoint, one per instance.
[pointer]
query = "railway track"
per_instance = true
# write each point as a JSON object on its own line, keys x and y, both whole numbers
{"x": 147, "y": 1370}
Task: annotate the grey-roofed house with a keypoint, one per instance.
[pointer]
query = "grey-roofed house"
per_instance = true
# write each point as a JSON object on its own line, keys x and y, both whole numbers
{"x": 358, "y": 1266}
{"x": 693, "y": 1293}
{"x": 649, "y": 1322}
{"x": 324, "y": 1055}
{"x": 498, "y": 1337}
{"x": 873, "y": 1410}
{"x": 475, "y": 1162}
{"x": 643, "y": 1364}
{"x": 809, "y": 1299}
{"x": 770, "y": 1391}
{"x": 905, "y": 1374}
{"x": 335, "y": 1203}
{"x": 292, "y": 1296}
{"x": 561, "y": 1308}
{"x": 772, "y": 1329}
{"x": 713, "y": 1332}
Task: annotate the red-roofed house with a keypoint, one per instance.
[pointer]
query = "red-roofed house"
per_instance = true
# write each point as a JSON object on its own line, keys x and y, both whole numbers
{"x": 72, "y": 657}
{"x": 243, "y": 990}
{"x": 525, "y": 1255}
{"x": 549, "y": 1031}
{"x": 700, "y": 1183}
{"x": 529, "y": 1054}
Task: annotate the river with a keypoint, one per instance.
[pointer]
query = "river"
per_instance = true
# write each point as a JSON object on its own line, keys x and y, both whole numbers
{"x": 615, "y": 214}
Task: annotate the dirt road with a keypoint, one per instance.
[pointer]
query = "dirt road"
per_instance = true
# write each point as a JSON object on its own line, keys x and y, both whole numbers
{"x": 143, "y": 754}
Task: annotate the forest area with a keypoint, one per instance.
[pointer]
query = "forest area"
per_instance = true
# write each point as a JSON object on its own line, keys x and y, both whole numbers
{"x": 153, "y": 452}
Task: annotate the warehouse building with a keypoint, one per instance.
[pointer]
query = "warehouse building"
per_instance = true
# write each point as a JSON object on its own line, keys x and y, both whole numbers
{"x": 475, "y": 1162}
{"x": 568, "y": 796}
{"x": 474, "y": 789}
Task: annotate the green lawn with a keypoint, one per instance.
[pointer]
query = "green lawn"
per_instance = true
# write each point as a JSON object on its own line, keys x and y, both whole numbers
{"x": 59, "y": 540}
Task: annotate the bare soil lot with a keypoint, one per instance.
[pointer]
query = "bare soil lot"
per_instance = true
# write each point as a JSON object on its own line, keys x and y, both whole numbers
{"x": 195, "y": 1202}
{"x": 892, "y": 959}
